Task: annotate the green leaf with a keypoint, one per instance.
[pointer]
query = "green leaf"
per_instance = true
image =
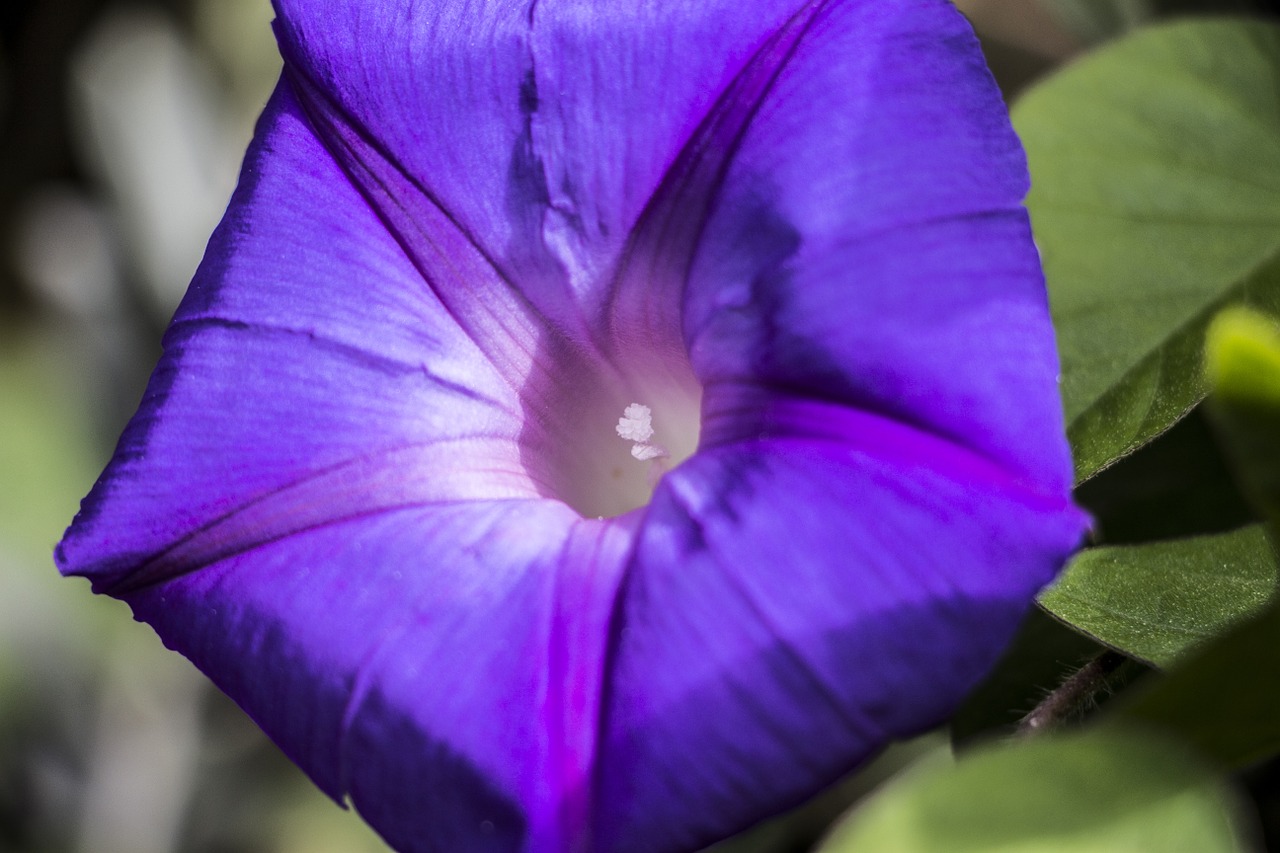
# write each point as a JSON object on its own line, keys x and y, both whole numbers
{"x": 1156, "y": 202}
{"x": 802, "y": 827}
{"x": 1243, "y": 363}
{"x": 1102, "y": 791}
{"x": 1225, "y": 698}
{"x": 1156, "y": 601}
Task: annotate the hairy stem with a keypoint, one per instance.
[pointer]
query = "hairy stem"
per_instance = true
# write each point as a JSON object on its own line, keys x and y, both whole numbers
{"x": 1077, "y": 694}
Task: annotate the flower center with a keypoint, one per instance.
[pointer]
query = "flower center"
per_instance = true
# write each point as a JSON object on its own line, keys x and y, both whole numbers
{"x": 604, "y": 465}
{"x": 636, "y": 424}
{"x": 600, "y": 433}
{"x": 621, "y": 477}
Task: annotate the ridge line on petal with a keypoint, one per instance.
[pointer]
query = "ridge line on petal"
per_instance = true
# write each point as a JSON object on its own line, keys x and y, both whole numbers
{"x": 181, "y": 328}
{"x": 315, "y": 104}
{"x": 293, "y": 508}
{"x": 769, "y": 413}
{"x": 701, "y": 164}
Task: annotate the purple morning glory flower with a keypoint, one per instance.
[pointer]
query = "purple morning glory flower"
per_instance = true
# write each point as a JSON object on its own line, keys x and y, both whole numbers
{"x": 595, "y": 427}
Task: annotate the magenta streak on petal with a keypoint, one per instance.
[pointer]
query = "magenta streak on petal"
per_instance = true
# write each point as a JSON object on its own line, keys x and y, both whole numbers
{"x": 578, "y": 644}
{"x": 646, "y": 296}
{"x": 735, "y": 415}
{"x": 418, "y": 670}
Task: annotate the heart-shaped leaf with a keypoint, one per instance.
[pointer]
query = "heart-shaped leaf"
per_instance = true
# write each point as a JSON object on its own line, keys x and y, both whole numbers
{"x": 1156, "y": 202}
{"x": 1156, "y": 601}
{"x": 1106, "y": 790}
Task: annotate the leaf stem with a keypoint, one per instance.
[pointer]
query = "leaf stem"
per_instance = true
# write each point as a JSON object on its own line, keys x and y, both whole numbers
{"x": 1077, "y": 694}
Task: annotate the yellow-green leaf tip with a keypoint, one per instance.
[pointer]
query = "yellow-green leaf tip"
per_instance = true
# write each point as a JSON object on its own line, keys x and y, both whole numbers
{"x": 1242, "y": 357}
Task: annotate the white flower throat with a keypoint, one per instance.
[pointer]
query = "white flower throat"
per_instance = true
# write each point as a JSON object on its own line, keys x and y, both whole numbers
{"x": 604, "y": 479}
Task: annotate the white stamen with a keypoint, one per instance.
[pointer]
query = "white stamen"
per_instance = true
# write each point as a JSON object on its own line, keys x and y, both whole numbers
{"x": 645, "y": 452}
{"x": 636, "y": 425}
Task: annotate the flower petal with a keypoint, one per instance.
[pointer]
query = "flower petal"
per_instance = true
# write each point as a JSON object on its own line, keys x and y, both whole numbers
{"x": 798, "y": 600}
{"x": 868, "y": 244}
{"x": 307, "y": 376}
{"x": 624, "y": 90}
{"x": 439, "y": 666}
{"x": 539, "y": 130}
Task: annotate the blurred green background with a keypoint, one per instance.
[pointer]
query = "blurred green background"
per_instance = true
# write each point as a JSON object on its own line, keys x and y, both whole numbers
{"x": 121, "y": 129}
